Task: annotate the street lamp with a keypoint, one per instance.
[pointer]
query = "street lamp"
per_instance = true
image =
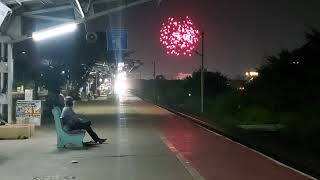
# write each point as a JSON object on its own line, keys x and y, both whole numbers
{"x": 202, "y": 69}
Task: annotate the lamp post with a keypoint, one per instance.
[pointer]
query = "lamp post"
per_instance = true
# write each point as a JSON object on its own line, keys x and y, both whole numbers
{"x": 202, "y": 75}
{"x": 202, "y": 69}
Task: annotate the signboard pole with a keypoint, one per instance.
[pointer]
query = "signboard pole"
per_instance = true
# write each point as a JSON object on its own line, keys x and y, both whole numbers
{"x": 2, "y": 76}
{"x": 10, "y": 82}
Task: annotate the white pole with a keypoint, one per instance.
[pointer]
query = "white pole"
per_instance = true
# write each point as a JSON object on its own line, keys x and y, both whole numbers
{"x": 10, "y": 81}
{"x": 2, "y": 75}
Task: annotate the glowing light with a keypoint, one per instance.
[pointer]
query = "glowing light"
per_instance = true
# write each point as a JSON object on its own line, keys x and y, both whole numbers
{"x": 120, "y": 66}
{"x": 53, "y": 32}
{"x": 179, "y": 36}
{"x": 121, "y": 83}
{"x": 252, "y": 73}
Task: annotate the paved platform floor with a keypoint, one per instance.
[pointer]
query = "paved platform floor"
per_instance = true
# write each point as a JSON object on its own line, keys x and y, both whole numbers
{"x": 134, "y": 151}
{"x": 144, "y": 143}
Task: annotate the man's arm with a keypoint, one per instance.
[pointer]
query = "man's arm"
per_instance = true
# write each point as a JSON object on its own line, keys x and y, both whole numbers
{"x": 69, "y": 116}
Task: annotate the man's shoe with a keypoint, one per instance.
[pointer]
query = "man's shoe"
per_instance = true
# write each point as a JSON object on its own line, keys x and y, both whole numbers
{"x": 101, "y": 141}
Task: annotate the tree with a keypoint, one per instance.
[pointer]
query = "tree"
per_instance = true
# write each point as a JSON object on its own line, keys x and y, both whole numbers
{"x": 287, "y": 81}
{"x": 215, "y": 83}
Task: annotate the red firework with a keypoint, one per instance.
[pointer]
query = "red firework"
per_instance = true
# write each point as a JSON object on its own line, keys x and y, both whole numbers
{"x": 179, "y": 36}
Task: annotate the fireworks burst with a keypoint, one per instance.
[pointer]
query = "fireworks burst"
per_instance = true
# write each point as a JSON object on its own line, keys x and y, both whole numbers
{"x": 179, "y": 36}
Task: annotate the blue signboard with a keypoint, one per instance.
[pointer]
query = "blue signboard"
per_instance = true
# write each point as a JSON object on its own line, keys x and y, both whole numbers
{"x": 117, "y": 39}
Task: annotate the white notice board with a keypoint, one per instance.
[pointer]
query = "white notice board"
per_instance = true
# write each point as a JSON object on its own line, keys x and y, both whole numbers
{"x": 29, "y": 112}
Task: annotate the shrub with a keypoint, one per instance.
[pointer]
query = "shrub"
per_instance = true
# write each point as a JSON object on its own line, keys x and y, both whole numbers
{"x": 255, "y": 115}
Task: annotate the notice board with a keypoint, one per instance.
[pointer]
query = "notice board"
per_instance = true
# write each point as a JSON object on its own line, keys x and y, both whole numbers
{"x": 29, "y": 112}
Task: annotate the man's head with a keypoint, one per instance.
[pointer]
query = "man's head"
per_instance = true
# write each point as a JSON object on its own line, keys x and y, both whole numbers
{"x": 61, "y": 99}
{"x": 69, "y": 101}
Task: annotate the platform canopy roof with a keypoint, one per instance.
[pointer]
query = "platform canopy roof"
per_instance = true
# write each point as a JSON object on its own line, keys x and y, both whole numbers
{"x": 30, "y": 15}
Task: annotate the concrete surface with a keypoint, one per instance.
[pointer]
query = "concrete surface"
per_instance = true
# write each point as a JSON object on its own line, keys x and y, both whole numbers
{"x": 134, "y": 150}
{"x": 145, "y": 142}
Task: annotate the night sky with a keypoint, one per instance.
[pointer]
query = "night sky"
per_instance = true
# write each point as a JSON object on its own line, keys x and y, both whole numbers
{"x": 239, "y": 34}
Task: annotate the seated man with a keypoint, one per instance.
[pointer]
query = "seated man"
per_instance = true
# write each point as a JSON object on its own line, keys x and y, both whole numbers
{"x": 60, "y": 102}
{"x": 73, "y": 122}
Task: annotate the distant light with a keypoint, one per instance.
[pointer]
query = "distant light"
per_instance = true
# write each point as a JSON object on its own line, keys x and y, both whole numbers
{"x": 106, "y": 80}
{"x": 23, "y": 52}
{"x": 53, "y": 32}
{"x": 120, "y": 66}
{"x": 100, "y": 80}
{"x": 189, "y": 94}
{"x": 122, "y": 76}
{"x": 241, "y": 88}
{"x": 252, "y": 74}
{"x": 62, "y": 72}
{"x": 121, "y": 83}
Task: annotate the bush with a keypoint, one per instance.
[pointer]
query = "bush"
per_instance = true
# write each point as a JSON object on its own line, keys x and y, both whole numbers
{"x": 303, "y": 126}
{"x": 255, "y": 115}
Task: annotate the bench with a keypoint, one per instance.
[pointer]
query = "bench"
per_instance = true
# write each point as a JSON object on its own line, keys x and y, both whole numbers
{"x": 16, "y": 131}
{"x": 66, "y": 139}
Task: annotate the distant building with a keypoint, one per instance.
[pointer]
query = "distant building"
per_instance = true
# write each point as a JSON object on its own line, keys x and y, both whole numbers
{"x": 181, "y": 76}
{"x": 238, "y": 84}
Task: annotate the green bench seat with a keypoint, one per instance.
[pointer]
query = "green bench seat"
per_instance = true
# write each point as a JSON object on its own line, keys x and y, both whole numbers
{"x": 66, "y": 139}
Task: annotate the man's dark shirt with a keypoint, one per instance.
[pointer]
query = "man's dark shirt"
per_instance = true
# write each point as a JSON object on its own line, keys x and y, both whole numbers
{"x": 68, "y": 116}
